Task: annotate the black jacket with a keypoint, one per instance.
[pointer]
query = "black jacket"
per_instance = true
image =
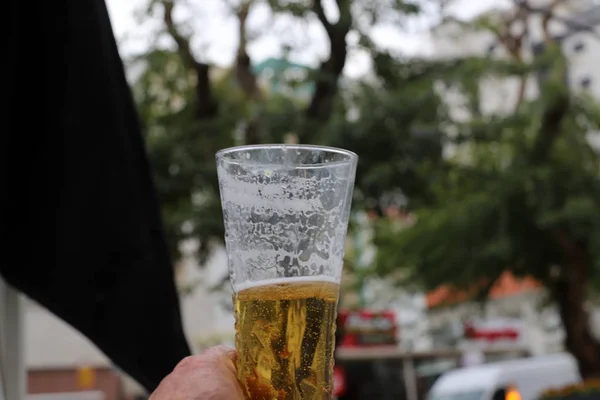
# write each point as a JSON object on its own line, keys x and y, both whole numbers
{"x": 80, "y": 223}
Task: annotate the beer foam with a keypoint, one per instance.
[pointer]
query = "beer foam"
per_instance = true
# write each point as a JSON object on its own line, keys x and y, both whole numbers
{"x": 278, "y": 281}
{"x": 284, "y": 220}
{"x": 250, "y": 194}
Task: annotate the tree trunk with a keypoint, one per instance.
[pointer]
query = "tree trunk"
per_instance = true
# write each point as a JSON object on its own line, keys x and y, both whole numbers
{"x": 326, "y": 83}
{"x": 326, "y": 87}
{"x": 246, "y": 78}
{"x": 206, "y": 106}
{"x": 570, "y": 295}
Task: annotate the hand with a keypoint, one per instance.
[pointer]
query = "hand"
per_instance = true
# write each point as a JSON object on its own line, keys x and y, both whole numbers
{"x": 208, "y": 376}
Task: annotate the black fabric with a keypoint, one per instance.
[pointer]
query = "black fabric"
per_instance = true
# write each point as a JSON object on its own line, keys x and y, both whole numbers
{"x": 80, "y": 223}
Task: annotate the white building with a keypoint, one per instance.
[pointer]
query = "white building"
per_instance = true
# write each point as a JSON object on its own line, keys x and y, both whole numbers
{"x": 576, "y": 25}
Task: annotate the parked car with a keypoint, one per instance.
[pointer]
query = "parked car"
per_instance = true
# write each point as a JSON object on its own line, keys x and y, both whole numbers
{"x": 522, "y": 379}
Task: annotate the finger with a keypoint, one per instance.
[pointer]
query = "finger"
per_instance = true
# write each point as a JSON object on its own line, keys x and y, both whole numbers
{"x": 219, "y": 351}
{"x": 210, "y": 374}
{"x": 219, "y": 355}
{"x": 224, "y": 354}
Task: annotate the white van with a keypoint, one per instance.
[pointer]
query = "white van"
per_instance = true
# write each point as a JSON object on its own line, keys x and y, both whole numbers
{"x": 530, "y": 377}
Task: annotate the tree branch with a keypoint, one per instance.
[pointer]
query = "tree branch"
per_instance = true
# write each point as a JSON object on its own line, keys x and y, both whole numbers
{"x": 243, "y": 67}
{"x": 206, "y": 104}
{"x": 326, "y": 85}
{"x": 550, "y": 127}
{"x": 320, "y": 11}
{"x": 559, "y": 103}
{"x": 183, "y": 43}
{"x": 548, "y": 14}
{"x": 513, "y": 42}
{"x": 523, "y": 17}
{"x": 244, "y": 75}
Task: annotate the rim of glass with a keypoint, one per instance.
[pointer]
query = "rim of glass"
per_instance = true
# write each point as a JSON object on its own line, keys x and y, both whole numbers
{"x": 351, "y": 157}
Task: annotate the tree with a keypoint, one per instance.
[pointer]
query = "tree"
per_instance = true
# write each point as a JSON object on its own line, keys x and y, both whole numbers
{"x": 519, "y": 193}
{"x": 190, "y": 113}
{"x": 522, "y": 191}
{"x": 183, "y": 159}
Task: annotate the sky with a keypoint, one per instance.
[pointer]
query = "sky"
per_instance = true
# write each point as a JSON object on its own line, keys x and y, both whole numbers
{"x": 218, "y": 39}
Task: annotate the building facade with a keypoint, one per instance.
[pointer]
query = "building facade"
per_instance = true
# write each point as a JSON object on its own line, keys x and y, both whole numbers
{"x": 518, "y": 306}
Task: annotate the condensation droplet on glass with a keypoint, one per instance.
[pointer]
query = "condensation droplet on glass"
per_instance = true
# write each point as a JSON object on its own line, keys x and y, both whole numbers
{"x": 305, "y": 256}
{"x": 293, "y": 238}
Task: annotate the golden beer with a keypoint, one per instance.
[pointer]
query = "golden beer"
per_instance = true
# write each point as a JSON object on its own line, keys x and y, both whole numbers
{"x": 285, "y": 333}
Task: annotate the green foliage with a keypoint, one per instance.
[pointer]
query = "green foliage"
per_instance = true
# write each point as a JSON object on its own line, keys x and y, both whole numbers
{"x": 396, "y": 136}
{"x": 586, "y": 390}
{"x": 181, "y": 147}
{"x": 370, "y": 12}
{"x": 511, "y": 190}
{"x": 516, "y": 187}
{"x": 181, "y": 144}
{"x": 513, "y": 183}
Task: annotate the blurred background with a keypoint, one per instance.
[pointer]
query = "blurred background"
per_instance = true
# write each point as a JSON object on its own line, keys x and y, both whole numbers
{"x": 475, "y": 233}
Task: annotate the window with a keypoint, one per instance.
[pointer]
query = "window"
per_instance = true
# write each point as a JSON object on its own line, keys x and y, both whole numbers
{"x": 586, "y": 82}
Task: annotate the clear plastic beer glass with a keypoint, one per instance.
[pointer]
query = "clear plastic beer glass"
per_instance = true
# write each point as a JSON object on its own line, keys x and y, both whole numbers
{"x": 286, "y": 210}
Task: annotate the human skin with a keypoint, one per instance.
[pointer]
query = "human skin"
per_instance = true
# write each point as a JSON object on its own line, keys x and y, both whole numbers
{"x": 207, "y": 376}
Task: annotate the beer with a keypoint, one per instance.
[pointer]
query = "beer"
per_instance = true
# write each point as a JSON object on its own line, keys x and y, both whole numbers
{"x": 285, "y": 332}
